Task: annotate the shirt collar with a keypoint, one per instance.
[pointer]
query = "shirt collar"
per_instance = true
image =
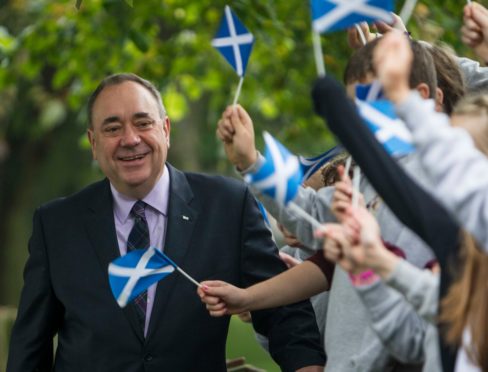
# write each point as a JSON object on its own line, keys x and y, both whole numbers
{"x": 157, "y": 198}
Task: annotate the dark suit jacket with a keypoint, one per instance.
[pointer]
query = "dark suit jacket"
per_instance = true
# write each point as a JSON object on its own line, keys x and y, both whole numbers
{"x": 66, "y": 289}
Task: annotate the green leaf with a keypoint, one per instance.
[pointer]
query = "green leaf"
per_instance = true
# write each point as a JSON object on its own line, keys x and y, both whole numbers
{"x": 175, "y": 104}
{"x": 140, "y": 40}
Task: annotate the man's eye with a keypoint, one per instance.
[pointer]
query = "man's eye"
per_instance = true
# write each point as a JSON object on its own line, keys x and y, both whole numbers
{"x": 144, "y": 124}
{"x": 111, "y": 130}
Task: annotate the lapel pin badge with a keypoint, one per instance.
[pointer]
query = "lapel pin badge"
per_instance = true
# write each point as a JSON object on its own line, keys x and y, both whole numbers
{"x": 186, "y": 218}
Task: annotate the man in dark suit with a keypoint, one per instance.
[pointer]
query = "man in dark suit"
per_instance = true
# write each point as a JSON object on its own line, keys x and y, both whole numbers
{"x": 210, "y": 226}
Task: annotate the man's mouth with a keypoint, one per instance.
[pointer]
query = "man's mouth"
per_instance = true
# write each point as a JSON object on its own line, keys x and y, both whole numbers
{"x": 132, "y": 157}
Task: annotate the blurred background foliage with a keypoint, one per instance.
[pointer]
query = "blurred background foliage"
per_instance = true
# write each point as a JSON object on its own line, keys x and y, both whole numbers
{"x": 52, "y": 55}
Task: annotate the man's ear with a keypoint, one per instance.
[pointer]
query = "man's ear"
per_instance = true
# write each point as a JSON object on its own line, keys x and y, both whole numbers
{"x": 423, "y": 90}
{"x": 167, "y": 130}
{"x": 93, "y": 144}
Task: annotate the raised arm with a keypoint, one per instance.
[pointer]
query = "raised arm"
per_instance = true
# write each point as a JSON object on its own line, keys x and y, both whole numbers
{"x": 235, "y": 130}
{"x": 457, "y": 170}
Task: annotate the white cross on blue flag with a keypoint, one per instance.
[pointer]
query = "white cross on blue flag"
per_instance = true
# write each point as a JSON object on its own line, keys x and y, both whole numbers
{"x": 280, "y": 175}
{"x": 233, "y": 41}
{"x": 388, "y": 129}
{"x": 333, "y": 15}
{"x": 136, "y": 271}
{"x": 311, "y": 165}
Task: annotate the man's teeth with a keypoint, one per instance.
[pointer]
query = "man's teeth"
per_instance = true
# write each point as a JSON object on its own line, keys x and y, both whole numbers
{"x": 135, "y": 157}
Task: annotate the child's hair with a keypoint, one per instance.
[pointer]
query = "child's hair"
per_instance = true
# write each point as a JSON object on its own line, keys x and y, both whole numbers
{"x": 465, "y": 306}
{"x": 475, "y": 105}
{"x": 330, "y": 175}
{"x": 360, "y": 66}
{"x": 449, "y": 77}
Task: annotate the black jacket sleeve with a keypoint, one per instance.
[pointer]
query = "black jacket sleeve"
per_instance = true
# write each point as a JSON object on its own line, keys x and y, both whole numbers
{"x": 31, "y": 344}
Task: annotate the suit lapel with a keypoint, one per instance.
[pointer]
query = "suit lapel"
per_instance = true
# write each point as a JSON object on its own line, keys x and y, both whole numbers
{"x": 100, "y": 227}
{"x": 179, "y": 228}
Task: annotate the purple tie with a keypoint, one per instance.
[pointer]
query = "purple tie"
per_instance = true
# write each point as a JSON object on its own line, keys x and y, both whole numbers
{"x": 139, "y": 239}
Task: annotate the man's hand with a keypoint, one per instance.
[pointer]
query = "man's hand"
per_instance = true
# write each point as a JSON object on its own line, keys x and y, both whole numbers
{"x": 474, "y": 32}
{"x": 236, "y": 131}
{"x": 222, "y": 298}
{"x": 392, "y": 60}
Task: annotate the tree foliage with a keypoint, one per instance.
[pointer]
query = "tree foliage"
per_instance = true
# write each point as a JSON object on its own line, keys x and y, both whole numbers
{"x": 53, "y": 54}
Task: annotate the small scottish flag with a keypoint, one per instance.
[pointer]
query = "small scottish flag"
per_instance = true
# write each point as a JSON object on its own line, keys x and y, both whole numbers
{"x": 388, "y": 129}
{"x": 234, "y": 41}
{"x": 370, "y": 92}
{"x": 333, "y": 15}
{"x": 311, "y": 165}
{"x": 280, "y": 175}
{"x": 136, "y": 271}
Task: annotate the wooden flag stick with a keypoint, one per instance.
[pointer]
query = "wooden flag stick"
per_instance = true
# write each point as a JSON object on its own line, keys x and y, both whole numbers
{"x": 306, "y": 216}
{"x": 361, "y": 34}
{"x": 317, "y": 52}
{"x": 188, "y": 277}
{"x": 238, "y": 92}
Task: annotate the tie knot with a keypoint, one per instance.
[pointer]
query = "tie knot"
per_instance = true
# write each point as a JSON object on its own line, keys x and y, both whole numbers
{"x": 138, "y": 209}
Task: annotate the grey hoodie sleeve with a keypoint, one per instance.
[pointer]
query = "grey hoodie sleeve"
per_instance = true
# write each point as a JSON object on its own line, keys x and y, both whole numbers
{"x": 316, "y": 203}
{"x": 475, "y": 76}
{"x": 395, "y": 322}
{"x": 420, "y": 288}
{"x": 458, "y": 171}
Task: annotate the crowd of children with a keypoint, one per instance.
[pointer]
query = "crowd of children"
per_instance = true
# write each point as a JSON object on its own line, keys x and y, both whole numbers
{"x": 407, "y": 269}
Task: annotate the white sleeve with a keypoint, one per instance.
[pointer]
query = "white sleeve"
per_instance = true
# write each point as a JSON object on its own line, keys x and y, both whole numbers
{"x": 457, "y": 170}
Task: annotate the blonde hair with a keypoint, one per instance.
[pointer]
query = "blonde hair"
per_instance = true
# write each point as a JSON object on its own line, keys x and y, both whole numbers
{"x": 475, "y": 106}
{"x": 466, "y": 304}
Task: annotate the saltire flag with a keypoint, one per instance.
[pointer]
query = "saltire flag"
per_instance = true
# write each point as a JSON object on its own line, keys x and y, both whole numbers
{"x": 333, "y": 15}
{"x": 234, "y": 41}
{"x": 370, "y": 92}
{"x": 280, "y": 175}
{"x": 136, "y": 271}
{"x": 388, "y": 129}
{"x": 311, "y": 165}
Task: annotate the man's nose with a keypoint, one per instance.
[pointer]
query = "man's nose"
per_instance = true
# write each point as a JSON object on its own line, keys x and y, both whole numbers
{"x": 130, "y": 137}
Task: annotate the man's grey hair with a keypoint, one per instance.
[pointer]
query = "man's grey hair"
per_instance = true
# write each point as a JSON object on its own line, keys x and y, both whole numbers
{"x": 117, "y": 79}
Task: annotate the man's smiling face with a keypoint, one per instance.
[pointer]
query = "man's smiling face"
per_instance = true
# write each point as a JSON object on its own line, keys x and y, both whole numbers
{"x": 129, "y": 138}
